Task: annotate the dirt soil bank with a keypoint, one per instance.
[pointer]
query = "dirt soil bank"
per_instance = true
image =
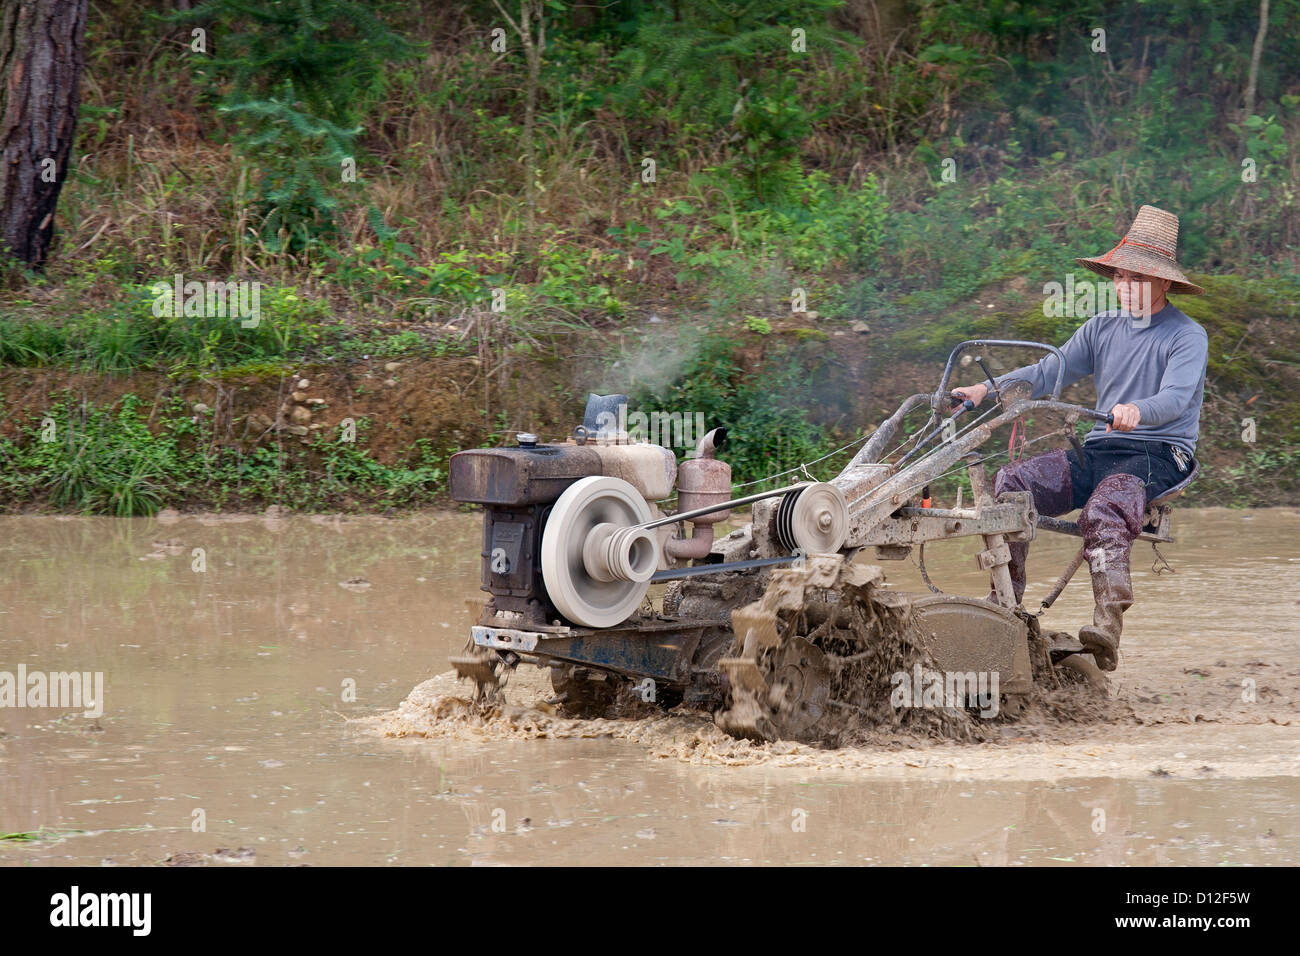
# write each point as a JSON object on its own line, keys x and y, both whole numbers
{"x": 856, "y": 377}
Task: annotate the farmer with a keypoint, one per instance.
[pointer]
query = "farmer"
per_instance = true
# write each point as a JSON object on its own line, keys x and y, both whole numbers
{"x": 1148, "y": 364}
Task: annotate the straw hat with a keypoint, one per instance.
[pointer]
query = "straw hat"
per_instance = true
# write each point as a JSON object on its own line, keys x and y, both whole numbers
{"x": 1149, "y": 249}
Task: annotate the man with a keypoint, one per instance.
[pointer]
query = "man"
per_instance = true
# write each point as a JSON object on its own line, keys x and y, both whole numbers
{"x": 1148, "y": 363}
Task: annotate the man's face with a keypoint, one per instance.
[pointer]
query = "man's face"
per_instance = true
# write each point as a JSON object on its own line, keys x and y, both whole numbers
{"x": 1137, "y": 293}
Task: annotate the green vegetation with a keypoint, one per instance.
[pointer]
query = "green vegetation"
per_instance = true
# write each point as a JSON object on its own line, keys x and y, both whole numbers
{"x": 43, "y": 834}
{"x": 102, "y": 460}
{"x": 767, "y": 432}
{"x": 124, "y": 333}
{"x": 404, "y": 183}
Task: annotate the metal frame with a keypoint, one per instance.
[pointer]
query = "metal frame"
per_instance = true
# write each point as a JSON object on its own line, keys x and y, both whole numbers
{"x": 881, "y": 515}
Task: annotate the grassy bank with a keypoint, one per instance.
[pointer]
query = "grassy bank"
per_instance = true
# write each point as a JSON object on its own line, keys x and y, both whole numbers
{"x": 673, "y": 203}
{"x": 361, "y": 431}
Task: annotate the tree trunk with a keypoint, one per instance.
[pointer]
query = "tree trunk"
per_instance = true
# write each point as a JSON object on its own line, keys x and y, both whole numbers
{"x": 534, "y": 46}
{"x": 40, "y": 74}
{"x": 1256, "y": 52}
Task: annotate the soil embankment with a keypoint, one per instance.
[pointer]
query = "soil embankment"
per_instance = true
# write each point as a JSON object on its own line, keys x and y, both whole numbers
{"x": 423, "y": 407}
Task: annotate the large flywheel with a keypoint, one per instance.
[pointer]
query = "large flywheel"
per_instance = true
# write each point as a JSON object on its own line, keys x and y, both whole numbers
{"x": 596, "y": 560}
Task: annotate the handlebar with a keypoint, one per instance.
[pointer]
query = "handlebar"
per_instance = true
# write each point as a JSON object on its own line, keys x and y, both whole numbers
{"x": 962, "y": 346}
{"x": 961, "y": 405}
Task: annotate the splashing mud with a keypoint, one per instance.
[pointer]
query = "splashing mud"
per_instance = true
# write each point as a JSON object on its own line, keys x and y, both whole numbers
{"x": 866, "y": 634}
{"x": 1067, "y": 730}
{"x": 443, "y": 708}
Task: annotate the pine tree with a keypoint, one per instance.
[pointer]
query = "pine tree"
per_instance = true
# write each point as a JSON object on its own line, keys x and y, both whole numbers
{"x": 293, "y": 76}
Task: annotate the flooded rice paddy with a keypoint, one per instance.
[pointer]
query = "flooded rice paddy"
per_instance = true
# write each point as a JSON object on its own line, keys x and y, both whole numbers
{"x": 270, "y": 688}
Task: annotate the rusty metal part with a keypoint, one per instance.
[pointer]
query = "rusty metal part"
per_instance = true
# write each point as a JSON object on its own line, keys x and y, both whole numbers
{"x": 941, "y": 395}
{"x": 780, "y": 678}
{"x": 677, "y": 653}
{"x": 875, "y": 448}
{"x": 893, "y": 552}
{"x": 871, "y": 508}
{"x": 1160, "y": 565}
{"x": 702, "y": 482}
{"x": 797, "y": 689}
{"x": 925, "y": 575}
{"x": 1157, "y": 520}
{"x": 968, "y": 634}
{"x": 778, "y": 681}
{"x": 514, "y": 477}
{"x": 1011, "y": 519}
{"x": 479, "y": 665}
{"x": 979, "y": 478}
{"x": 995, "y": 559}
{"x": 1062, "y": 581}
{"x": 1013, "y": 516}
{"x": 1061, "y": 526}
{"x": 586, "y": 693}
{"x": 697, "y": 546}
{"x": 506, "y": 639}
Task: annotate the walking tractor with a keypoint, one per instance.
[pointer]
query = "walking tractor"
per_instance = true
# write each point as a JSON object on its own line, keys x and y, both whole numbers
{"x": 760, "y": 626}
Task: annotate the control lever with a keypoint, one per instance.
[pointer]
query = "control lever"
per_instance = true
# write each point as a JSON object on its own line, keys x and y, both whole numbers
{"x": 1106, "y": 417}
{"x": 960, "y": 405}
{"x": 993, "y": 386}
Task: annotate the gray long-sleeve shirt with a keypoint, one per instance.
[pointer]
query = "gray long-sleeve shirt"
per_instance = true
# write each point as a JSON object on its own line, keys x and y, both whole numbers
{"x": 1157, "y": 364}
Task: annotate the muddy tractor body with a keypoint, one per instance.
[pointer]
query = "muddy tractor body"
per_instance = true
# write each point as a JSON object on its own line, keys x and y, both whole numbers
{"x": 754, "y": 625}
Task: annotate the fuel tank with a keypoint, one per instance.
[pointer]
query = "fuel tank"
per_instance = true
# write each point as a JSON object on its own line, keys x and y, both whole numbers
{"x": 539, "y": 473}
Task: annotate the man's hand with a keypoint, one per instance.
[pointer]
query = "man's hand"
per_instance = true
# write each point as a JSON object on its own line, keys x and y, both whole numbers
{"x": 1126, "y": 418}
{"x": 975, "y": 393}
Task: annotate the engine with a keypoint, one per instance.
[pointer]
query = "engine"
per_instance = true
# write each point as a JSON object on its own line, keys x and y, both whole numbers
{"x": 563, "y": 536}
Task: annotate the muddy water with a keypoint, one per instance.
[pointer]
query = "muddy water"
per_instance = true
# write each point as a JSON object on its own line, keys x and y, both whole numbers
{"x": 225, "y": 708}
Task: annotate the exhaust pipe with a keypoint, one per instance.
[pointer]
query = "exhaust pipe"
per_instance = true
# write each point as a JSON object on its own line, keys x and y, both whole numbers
{"x": 702, "y": 480}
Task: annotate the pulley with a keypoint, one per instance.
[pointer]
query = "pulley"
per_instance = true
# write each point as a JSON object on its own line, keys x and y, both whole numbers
{"x": 596, "y": 561}
{"x": 813, "y": 518}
